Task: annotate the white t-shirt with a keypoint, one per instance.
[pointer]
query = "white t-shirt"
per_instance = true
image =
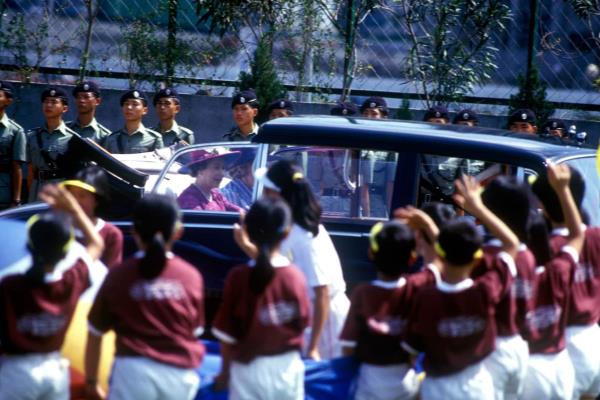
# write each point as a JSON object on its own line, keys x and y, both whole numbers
{"x": 316, "y": 257}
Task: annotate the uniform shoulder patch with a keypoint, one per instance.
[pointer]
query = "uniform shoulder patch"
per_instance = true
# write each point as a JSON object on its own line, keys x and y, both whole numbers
{"x": 186, "y": 130}
{"x": 153, "y": 132}
{"x": 103, "y": 129}
{"x": 11, "y": 121}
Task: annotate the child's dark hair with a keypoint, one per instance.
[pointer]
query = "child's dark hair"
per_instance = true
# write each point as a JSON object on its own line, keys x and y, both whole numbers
{"x": 392, "y": 245}
{"x": 267, "y": 223}
{"x": 439, "y": 212}
{"x": 546, "y": 194}
{"x": 155, "y": 219}
{"x": 539, "y": 238}
{"x": 48, "y": 241}
{"x": 97, "y": 178}
{"x": 511, "y": 202}
{"x": 296, "y": 190}
{"x": 459, "y": 240}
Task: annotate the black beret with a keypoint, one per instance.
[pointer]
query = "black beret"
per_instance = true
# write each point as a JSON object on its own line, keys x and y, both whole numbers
{"x": 54, "y": 91}
{"x": 86, "y": 87}
{"x": 466, "y": 115}
{"x": 8, "y": 89}
{"x": 245, "y": 97}
{"x": 553, "y": 124}
{"x": 522, "y": 115}
{"x": 166, "y": 92}
{"x": 134, "y": 94}
{"x": 280, "y": 104}
{"x": 344, "y": 109}
{"x": 436, "y": 112}
{"x": 374, "y": 102}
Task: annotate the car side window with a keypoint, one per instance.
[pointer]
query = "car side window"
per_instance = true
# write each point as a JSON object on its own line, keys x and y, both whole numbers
{"x": 211, "y": 178}
{"x": 349, "y": 183}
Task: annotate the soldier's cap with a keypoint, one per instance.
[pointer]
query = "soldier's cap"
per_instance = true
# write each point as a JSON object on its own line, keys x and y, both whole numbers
{"x": 166, "y": 92}
{"x": 8, "y": 89}
{"x": 553, "y": 124}
{"x": 466, "y": 115}
{"x": 201, "y": 156}
{"x": 344, "y": 109}
{"x": 54, "y": 91}
{"x": 280, "y": 104}
{"x": 436, "y": 112}
{"x": 245, "y": 97}
{"x": 134, "y": 94}
{"x": 374, "y": 102}
{"x": 86, "y": 87}
{"x": 522, "y": 115}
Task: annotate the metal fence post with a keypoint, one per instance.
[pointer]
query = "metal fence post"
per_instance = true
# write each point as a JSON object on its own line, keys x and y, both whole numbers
{"x": 532, "y": 39}
{"x": 171, "y": 41}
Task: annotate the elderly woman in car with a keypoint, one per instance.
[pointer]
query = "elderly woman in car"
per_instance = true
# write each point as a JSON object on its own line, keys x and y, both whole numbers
{"x": 208, "y": 167}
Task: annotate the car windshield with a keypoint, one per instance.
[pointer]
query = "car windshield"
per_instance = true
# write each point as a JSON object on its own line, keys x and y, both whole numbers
{"x": 591, "y": 200}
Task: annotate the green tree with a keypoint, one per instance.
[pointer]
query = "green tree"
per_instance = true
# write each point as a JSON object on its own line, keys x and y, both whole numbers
{"x": 532, "y": 95}
{"x": 263, "y": 78}
{"x": 403, "y": 112}
{"x": 452, "y": 49}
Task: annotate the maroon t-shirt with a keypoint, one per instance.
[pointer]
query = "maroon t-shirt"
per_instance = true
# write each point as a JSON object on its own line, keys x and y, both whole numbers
{"x": 427, "y": 276}
{"x": 454, "y": 324}
{"x": 268, "y": 324}
{"x": 548, "y": 317}
{"x": 113, "y": 242}
{"x": 192, "y": 198}
{"x": 159, "y": 318}
{"x": 511, "y": 311}
{"x": 35, "y": 316}
{"x": 584, "y": 305}
{"x": 376, "y": 322}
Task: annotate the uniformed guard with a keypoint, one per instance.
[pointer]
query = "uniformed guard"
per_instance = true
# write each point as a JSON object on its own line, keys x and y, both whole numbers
{"x": 524, "y": 121}
{"x": 280, "y": 108}
{"x": 345, "y": 109}
{"x": 13, "y": 148}
{"x": 466, "y": 117}
{"x": 46, "y": 144}
{"x": 244, "y": 105}
{"x": 555, "y": 127}
{"x": 437, "y": 115}
{"x": 134, "y": 137}
{"x": 375, "y": 108}
{"x": 166, "y": 102}
{"x": 87, "y": 98}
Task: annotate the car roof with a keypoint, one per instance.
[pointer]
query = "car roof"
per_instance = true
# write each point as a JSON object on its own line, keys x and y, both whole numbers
{"x": 451, "y": 140}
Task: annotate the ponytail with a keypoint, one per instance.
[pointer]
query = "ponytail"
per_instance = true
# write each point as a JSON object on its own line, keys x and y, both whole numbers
{"x": 263, "y": 271}
{"x": 155, "y": 258}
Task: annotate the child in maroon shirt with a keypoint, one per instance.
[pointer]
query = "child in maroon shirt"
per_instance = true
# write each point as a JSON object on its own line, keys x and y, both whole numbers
{"x": 377, "y": 318}
{"x": 37, "y": 306}
{"x": 154, "y": 303}
{"x": 264, "y": 313}
{"x": 453, "y": 321}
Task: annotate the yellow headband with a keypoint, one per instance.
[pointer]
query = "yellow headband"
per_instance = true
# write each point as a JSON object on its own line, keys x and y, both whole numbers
{"x": 297, "y": 176}
{"x": 35, "y": 218}
{"x": 79, "y": 184}
{"x": 442, "y": 253}
{"x": 373, "y": 236}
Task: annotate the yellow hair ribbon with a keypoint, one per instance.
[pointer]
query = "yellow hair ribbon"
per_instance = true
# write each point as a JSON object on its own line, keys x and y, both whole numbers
{"x": 478, "y": 254}
{"x": 378, "y": 227}
{"x": 79, "y": 184}
{"x": 69, "y": 242}
{"x": 531, "y": 179}
{"x": 32, "y": 220}
{"x": 297, "y": 176}
{"x": 35, "y": 218}
{"x": 438, "y": 249}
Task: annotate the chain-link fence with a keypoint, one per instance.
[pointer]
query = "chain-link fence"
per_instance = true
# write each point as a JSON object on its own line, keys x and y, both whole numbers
{"x": 135, "y": 43}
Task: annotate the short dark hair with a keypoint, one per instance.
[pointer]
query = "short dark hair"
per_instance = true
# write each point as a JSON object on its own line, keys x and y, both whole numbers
{"x": 547, "y": 196}
{"x": 460, "y": 240}
{"x": 395, "y": 243}
{"x": 96, "y": 177}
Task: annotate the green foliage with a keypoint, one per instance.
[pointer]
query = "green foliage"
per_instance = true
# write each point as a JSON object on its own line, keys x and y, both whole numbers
{"x": 585, "y": 8}
{"x": 403, "y": 112}
{"x": 263, "y": 78}
{"x": 532, "y": 95}
{"x": 451, "y": 47}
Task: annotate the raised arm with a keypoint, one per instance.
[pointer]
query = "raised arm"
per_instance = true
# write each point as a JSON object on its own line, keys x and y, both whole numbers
{"x": 58, "y": 198}
{"x": 559, "y": 176}
{"x": 468, "y": 193}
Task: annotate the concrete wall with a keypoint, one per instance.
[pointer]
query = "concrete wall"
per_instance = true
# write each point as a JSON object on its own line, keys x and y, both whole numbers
{"x": 209, "y": 116}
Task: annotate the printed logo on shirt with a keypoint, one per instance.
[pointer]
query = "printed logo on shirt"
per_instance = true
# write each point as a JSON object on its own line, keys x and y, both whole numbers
{"x": 44, "y": 324}
{"x": 278, "y": 313}
{"x": 543, "y": 317}
{"x": 584, "y": 272}
{"x": 158, "y": 289}
{"x": 460, "y": 326}
{"x": 387, "y": 326}
{"x": 522, "y": 289}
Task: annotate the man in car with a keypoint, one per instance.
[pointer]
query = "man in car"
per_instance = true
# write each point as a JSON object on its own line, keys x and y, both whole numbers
{"x": 239, "y": 190}
{"x": 524, "y": 121}
{"x": 13, "y": 146}
{"x": 244, "y": 106}
{"x": 280, "y": 108}
{"x": 166, "y": 102}
{"x": 87, "y": 98}
{"x": 134, "y": 137}
{"x": 48, "y": 143}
